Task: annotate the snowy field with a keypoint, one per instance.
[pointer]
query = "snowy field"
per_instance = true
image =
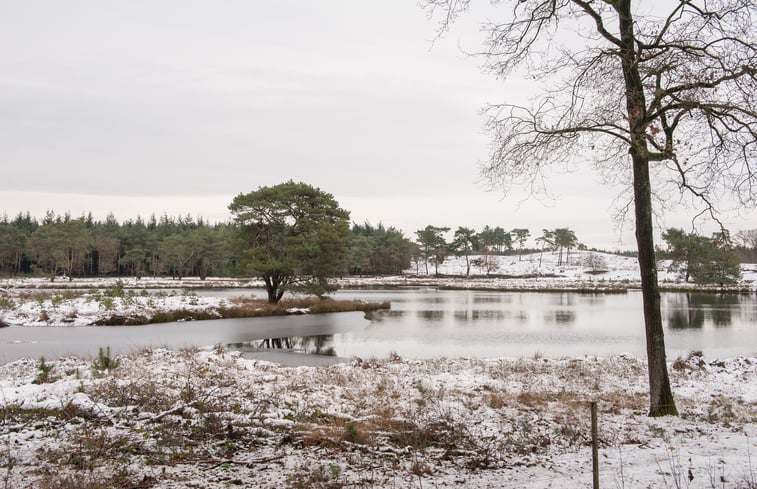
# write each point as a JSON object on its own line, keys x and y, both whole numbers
{"x": 212, "y": 419}
{"x": 580, "y": 270}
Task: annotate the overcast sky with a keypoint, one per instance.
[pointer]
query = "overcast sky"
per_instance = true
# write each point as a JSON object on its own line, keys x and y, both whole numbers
{"x": 176, "y": 106}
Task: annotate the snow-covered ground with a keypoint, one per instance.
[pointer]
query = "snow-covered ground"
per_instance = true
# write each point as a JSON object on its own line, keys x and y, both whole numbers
{"x": 575, "y": 266}
{"x": 583, "y": 270}
{"x": 578, "y": 266}
{"x": 212, "y": 419}
{"x": 61, "y": 309}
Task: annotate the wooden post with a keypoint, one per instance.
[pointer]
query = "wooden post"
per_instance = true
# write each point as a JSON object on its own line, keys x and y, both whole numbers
{"x": 594, "y": 445}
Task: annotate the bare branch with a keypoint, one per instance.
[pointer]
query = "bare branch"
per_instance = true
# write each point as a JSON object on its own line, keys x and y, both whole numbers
{"x": 597, "y": 17}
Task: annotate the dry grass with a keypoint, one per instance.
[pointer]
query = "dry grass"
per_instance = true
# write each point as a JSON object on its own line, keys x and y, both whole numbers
{"x": 162, "y": 410}
{"x": 140, "y": 394}
{"x": 11, "y": 414}
{"x": 693, "y": 361}
{"x": 94, "y": 480}
{"x": 45, "y": 295}
{"x": 247, "y": 308}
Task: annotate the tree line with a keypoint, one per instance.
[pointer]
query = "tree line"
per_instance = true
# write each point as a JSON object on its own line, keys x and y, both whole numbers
{"x": 76, "y": 247}
{"x": 61, "y": 245}
{"x": 185, "y": 246}
{"x": 434, "y": 248}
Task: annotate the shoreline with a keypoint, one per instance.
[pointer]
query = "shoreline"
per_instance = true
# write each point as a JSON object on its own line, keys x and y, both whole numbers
{"x": 113, "y": 301}
{"x": 509, "y": 283}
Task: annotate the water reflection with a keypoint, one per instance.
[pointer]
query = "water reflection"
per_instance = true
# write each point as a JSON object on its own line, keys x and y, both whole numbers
{"x": 489, "y": 315}
{"x": 387, "y": 314}
{"x": 491, "y": 299}
{"x": 721, "y": 307}
{"x": 685, "y": 319}
{"x": 592, "y": 299}
{"x": 560, "y": 316}
{"x": 434, "y": 300}
{"x": 690, "y": 311}
{"x": 311, "y": 345}
{"x": 563, "y": 299}
{"x": 431, "y": 315}
{"x": 469, "y": 318}
{"x": 565, "y": 317}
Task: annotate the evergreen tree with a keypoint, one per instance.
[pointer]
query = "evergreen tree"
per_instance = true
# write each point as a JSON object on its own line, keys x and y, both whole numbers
{"x": 520, "y": 235}
{"x": 704, "y": 260}
{"x": 433, "y": 245}
{"x": 464, "y": 242}
{"x": 564, "y": 238}
{"x": 292, "y": 235}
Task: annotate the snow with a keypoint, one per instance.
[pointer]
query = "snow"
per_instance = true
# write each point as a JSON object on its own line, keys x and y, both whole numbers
{"x": 539, "y": 271}
{"x": 51, "y": 307}
{"x": 212, "y": 419}
{"x": 575, "y": 269}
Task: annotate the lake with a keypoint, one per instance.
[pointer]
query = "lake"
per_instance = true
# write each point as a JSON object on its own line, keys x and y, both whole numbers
{"x": 431, "y": 322}
{"x": 427, "y": 323}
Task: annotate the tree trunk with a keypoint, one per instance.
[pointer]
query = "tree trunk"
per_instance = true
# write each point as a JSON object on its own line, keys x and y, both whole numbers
{"x": 273, "y": 280}
{"x": 271, "y": 294}
{"x": 271, "y": 289}
{"x": 661, "y": 401}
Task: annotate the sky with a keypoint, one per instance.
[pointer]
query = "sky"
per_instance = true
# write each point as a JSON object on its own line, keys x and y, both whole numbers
{"x": 176, "y": 106}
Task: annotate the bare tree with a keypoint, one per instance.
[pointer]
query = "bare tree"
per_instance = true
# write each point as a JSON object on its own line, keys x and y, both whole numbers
{"x": 659, "y": 91}
{"x": 595, "y": 263}
{"x": 747, "y": 238}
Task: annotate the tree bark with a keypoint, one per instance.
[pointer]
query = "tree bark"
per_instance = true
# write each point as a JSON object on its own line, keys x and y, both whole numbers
{"x": 273, "y": 280}
{"x": 661, "y": 401}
